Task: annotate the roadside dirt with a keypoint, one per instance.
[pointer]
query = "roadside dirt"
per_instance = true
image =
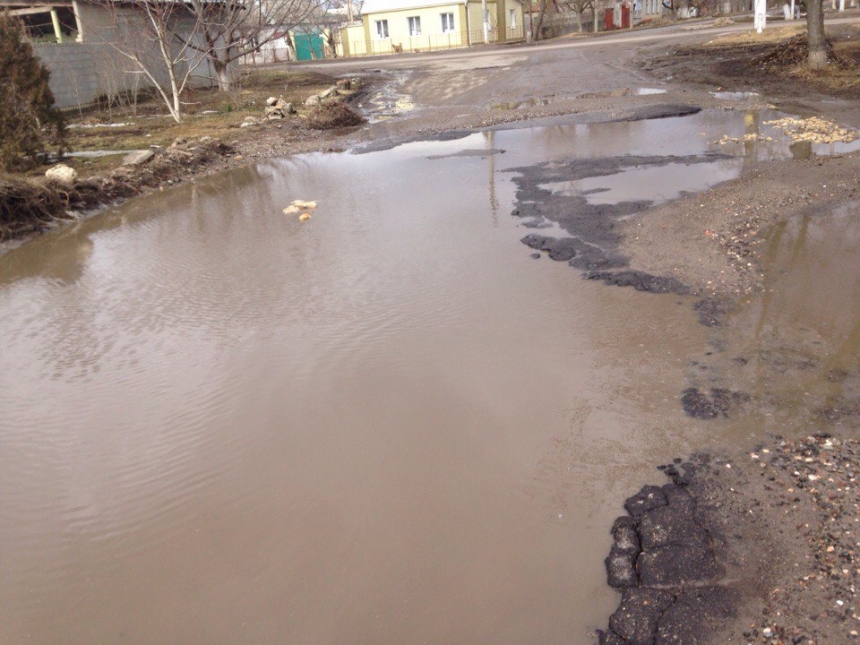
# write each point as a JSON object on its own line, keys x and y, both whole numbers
{"x": 771, "y": 64}
{"x": 782, "y": 517}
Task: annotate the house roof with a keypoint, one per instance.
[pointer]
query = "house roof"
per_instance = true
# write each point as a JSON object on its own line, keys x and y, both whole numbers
{"x": 379, "y": 6}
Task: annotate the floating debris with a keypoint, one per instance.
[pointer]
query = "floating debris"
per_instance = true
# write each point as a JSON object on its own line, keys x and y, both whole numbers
{"x": 815, "y": 129}
{"x": 299, "y": 205}
{"x": 304, "y": 217}
{"x": 747, "y": 137}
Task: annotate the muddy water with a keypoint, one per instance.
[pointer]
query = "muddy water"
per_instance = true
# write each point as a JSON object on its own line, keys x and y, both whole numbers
{"x": 796, "y": 348}
{"x": 385, "y": 425}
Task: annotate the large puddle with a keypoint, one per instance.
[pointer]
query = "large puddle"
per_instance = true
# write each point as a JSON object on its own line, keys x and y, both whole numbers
{"x": 387, "y": 424}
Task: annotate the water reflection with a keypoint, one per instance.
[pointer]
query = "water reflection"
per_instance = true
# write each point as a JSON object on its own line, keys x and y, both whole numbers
{"x": 800, "y": 340}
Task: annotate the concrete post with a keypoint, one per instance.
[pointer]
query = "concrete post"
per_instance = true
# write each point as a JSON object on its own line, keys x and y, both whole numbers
{"x": 57, "y": 31}
{"x": 760, "y": 15}
{"x": 79, "y": 25}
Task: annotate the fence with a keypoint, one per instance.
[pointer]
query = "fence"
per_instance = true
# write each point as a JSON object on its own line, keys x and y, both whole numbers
{"x": 560, "y": 24}
{"x": 269, "y": 53}
{"x": 82, "y": 73}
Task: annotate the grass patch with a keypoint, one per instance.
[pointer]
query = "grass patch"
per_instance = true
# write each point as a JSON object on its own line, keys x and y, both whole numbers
{"x": 208, "y": 112}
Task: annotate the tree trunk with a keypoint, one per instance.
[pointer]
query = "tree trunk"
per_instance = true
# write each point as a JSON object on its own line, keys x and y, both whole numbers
{"x": 536, "y": 27}
{"x": 226, "y": 79}
{"x": 579, "y": 21}
{"x": 221, "y": 55}
{"x": 225, "y": 71}
{"x": 815, "y": 34}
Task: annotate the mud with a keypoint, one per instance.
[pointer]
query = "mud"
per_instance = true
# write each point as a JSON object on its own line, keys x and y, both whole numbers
{"x": 661, "y": 112}
{"x": 720, "y": 401}
{"x": 769, "y": 67}
{"x": 329, "y": 116}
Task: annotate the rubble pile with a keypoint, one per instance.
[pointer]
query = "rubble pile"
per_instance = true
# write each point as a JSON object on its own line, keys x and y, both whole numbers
{"x": 344, "y": 90}
{"x": 278, "y": 109}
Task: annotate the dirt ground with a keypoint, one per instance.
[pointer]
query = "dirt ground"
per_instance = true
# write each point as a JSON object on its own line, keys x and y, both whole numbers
{"x": 794, "y": 542}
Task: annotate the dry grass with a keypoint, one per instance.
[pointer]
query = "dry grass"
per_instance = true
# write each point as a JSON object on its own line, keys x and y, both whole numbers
{"x": 750, "y": 37}
{"x": 208, "y": 113}
{"x": 773, "y": 62}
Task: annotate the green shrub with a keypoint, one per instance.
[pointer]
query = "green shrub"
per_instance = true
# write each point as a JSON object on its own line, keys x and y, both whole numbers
{"x": 30, "y": 124}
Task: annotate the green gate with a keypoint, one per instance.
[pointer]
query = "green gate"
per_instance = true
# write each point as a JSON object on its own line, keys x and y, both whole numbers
{"x": 308, "y": 46}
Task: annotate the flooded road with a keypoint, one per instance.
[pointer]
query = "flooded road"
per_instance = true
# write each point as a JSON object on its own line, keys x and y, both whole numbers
{"x": 387, "y": 424}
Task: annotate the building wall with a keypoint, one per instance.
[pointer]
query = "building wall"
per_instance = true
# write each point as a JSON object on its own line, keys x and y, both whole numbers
{"x": 650, "y": 8}
{"x": 431, "y": 36}
{"x": 352, "y": 41}
{"x": 96, "y": 24}
{"x": 502, "y": 28}
{"x": 73, "y": 80}
{"x": 468, "y": 28}
{"x": 82, "y": 72}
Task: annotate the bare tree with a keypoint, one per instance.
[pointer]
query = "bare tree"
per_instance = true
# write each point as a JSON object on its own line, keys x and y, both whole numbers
{"x": 232, "y": 29}
{"x": 155, "y": 37}
{"x": 818, "y": 47}
{"x": 579, "y": 7}
{"x": 537, "y": 25}
{"x": 121, "y": 83}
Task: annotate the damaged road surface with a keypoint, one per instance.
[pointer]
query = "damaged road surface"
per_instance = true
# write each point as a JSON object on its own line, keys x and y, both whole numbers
{"x": 665, "y": 562}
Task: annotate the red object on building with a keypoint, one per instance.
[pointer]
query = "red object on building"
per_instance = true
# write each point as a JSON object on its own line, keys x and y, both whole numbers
{"x": 625, "y": 16}
{"x": 608, "y": 19}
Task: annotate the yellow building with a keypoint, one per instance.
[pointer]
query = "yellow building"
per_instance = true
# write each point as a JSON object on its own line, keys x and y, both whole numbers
{"x": 390, "y": 26}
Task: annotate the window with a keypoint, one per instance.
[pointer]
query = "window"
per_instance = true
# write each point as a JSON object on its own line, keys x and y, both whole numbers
{"x": 447, "y": 23}
{"x": 513, "y": 24}
{"x": 414, "y": 25}
{"x": 382, "y": 29}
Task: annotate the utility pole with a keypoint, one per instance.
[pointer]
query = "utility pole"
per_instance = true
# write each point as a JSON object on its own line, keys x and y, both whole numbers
{"x": 529, "y": 33}
{"x": 485, "y": 18}
{"x": 351, "y": 18}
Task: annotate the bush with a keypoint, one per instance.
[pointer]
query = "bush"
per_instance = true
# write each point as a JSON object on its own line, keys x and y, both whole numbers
{"x": 30, "y": 125}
